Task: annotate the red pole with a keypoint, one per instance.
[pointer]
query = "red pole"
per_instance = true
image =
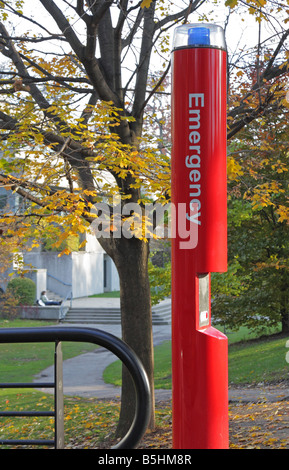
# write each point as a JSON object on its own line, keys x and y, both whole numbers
{"x": 199, "y": 351}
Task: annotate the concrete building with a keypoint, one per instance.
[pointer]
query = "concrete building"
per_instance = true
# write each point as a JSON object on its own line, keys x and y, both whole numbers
{"x": 80, "y": 274}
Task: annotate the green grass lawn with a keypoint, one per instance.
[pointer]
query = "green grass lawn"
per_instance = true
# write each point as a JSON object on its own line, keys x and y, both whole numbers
{"x": 110, "y": 295}
{"x": 89, "y": 421}
{"x": 263, "y": 361}
{"x": 20, "y": 362}
{"x": 249, "y": 361}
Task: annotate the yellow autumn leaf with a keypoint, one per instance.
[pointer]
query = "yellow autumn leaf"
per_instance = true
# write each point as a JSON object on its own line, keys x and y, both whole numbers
{"x": 283, "y": 213}
{"x": 66, "y": 251}
{"x": 146, "y": 3}
{"x": 234, "y": 170}
{"x": 231, "y": 3}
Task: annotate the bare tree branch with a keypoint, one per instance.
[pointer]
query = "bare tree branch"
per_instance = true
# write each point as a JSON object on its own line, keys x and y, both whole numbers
{"x": 270, "y": 100}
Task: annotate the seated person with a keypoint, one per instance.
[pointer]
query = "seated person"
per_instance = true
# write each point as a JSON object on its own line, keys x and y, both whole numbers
{"x": 46, "y": 301}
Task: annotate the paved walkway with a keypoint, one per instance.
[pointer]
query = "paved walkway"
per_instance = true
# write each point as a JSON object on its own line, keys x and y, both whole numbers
{"x": 82, "y": 375}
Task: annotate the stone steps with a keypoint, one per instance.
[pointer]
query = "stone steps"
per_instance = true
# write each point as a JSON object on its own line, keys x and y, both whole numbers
{"x": 161, "y": 315}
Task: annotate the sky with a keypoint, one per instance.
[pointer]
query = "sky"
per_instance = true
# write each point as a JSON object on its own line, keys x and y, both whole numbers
{"x": 242, "y": 29}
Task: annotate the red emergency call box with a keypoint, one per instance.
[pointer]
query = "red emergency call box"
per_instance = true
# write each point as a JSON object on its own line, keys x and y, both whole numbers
{"x": 199, "y": 198}
{"x": 199, "y": 139}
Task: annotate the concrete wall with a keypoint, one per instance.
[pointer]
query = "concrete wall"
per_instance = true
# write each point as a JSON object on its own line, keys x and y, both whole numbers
{"x": 114, "y": 277}
{"x": 111, "y": 278}
{"x": 87, "y": 273}
{"x": 92, "y": 244}
{"x": 80, "y": 272}
{"x": 56, "y": 267}
{"x": 36, "y": 312}
{"x": 39, "y": 276}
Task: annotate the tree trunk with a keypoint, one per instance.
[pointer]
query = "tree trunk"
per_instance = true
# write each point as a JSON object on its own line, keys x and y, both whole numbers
{"x": 131, "y": 259}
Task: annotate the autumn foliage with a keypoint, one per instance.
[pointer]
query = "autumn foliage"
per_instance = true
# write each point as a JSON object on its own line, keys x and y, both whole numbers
{"x": 77, "y": 85}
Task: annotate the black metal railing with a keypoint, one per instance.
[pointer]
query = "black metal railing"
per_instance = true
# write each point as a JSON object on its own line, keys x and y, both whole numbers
{"x": 57, "y": 413}
{"x": 89, "y": 335}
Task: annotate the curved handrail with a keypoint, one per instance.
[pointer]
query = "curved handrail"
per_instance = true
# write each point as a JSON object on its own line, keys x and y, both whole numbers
{"x": 62, "y": 314}
{"x": 113, "y": 344}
